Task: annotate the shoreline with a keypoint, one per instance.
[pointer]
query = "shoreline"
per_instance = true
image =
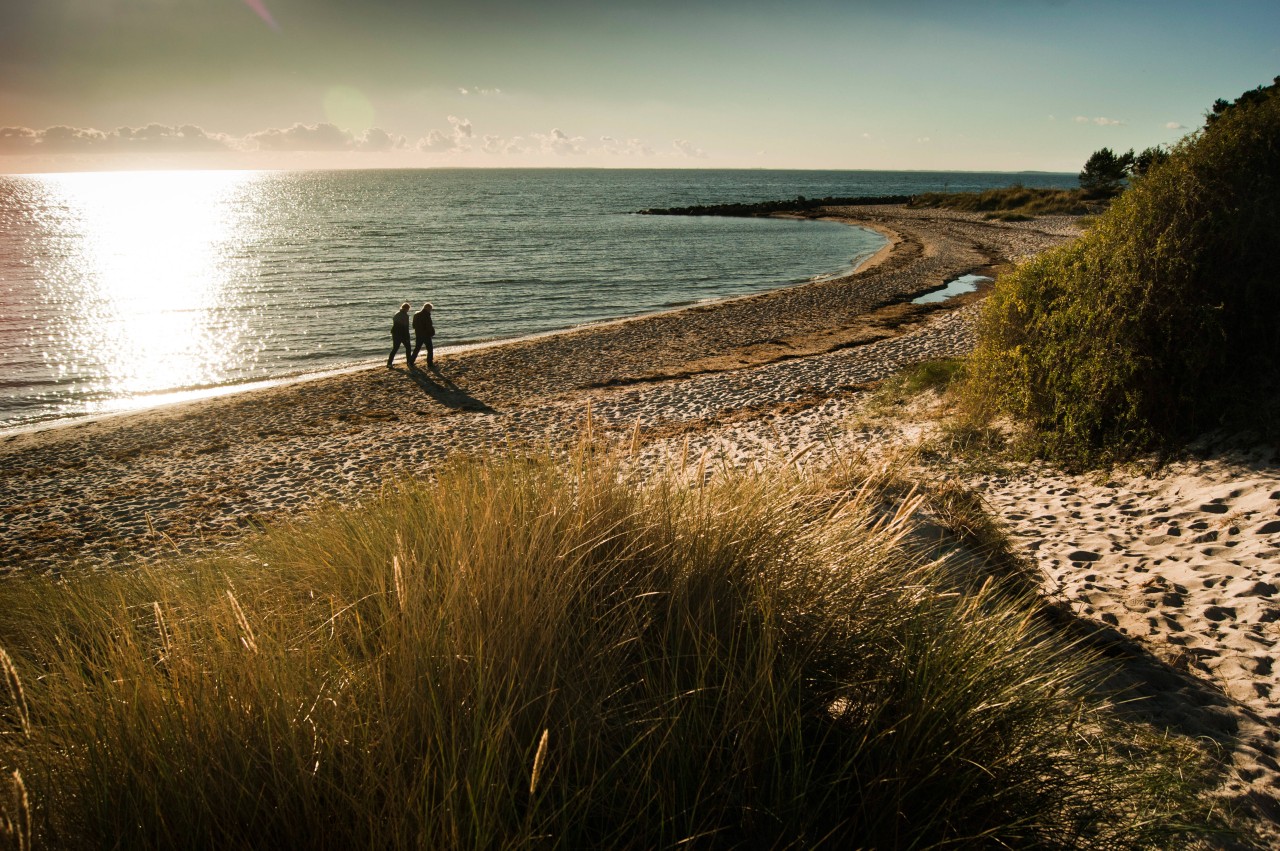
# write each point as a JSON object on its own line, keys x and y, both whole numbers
{"x": 130, "y": 484}
{"x": 194, "y": 396}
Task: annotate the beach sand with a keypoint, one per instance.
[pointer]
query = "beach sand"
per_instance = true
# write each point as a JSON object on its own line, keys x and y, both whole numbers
{"x": 137, "y": 484}
{"x": 1172, "y": 570}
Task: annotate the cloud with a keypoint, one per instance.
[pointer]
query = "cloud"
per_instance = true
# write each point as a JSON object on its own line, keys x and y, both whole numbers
{"x": 923, "y": 140}
{"x": 688, "y": 149}
{"x": 477, "y": 90}
{"x": 628, "y": 148}
{"x": 437, "y": 141}
{"x": 515, "y": 145}
{"x": 158, "y": 137}
{"x": 376, "y": 139}
{"x": 303, "y": 137}
{"x": 188, "y": 138}
{"x": 460, "y": 137}
{"x": 63, "y": 138}
{"x": 560, "y": 143}
{"x": 454, "y": 139}
{"x": 17, "y": 139}
{"x": 150, "y": 138}
{"x": 1173, "y": 125}
{"x": 1101, "y": 121}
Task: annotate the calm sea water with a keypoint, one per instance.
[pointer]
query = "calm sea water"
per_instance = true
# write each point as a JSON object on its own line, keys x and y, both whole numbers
{"x": 124, "y": 289}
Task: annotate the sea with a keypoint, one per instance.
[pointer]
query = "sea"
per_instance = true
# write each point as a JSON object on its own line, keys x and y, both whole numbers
{"x": 124, "y": 290}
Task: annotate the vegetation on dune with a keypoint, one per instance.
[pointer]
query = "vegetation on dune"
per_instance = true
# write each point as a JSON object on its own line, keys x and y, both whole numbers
{"x": 1012, "y": 203}
{"x": 937, "y": 375}
{"x": 1105, "y": 172}
{"x": 531, "y": 655}
{"x": 1252, "y": 97}
{"x": 1162, "y": 318}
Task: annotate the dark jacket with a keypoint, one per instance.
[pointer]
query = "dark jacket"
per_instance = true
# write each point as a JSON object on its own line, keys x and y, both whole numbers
{"x": 400, "y": 326}
{"x": 422, "y": 326}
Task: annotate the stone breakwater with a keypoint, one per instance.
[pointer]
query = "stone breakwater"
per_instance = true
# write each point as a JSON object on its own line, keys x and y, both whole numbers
{"x": 799, "y": 204}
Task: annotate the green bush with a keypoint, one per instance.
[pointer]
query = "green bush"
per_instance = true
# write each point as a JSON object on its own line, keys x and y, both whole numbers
{"x": 1161, "y": 318}
{"x": 527, "y": 655}
{"x": 937, "y": 374}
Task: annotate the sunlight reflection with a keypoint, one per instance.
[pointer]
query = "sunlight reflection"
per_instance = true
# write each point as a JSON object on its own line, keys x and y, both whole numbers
{"x": 141, "y": 286}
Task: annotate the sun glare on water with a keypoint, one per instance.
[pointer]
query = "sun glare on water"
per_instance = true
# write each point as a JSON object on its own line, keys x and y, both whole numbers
{"x": 140, "y": 288}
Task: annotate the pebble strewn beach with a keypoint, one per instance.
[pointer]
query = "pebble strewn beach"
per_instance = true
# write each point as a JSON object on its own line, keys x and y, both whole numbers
{"x": 1179, "y": 567}
{"x": 136, "y": 484}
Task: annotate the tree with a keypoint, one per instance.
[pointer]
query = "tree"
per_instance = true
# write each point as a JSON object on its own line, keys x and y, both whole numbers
{"x": 1143, "y": 162}
{"x": 1252, "y": 97}
{"x": 1104, "y": 171}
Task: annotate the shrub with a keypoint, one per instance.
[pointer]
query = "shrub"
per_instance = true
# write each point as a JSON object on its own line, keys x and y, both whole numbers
{"x": 1161, "y": 317}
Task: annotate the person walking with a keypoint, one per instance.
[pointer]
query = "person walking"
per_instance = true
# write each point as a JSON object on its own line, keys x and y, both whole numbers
{"x": 400, "y": 335}
{"x": 423, "y": 330}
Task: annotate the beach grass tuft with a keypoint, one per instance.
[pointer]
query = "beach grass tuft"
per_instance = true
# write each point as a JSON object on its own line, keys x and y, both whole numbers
{"x": 15, "y": 814}
{"x": 537, "y": 653}
{"x": 18, "y": 711}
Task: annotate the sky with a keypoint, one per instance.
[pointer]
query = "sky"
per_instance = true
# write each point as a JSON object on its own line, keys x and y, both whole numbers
{"x": 1004, "y": 85}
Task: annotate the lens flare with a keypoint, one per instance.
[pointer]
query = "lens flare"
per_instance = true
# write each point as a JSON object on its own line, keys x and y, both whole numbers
{"x": 260, "y": 9}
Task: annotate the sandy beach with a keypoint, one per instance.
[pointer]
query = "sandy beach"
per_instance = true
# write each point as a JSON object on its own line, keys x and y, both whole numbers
{"x": 1173, "y": 568}
{"x": 131, "y": 485}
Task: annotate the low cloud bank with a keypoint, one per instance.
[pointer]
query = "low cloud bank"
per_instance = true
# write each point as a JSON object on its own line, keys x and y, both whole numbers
{"x": 153, "y": 137}
{"x": 322, "y": 137}
{"x": 459, "y": 138}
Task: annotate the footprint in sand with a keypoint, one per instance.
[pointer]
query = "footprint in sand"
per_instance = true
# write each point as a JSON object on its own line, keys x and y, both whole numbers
{"x": 1257, "y": 589}
{"x": 1219, "y": 613}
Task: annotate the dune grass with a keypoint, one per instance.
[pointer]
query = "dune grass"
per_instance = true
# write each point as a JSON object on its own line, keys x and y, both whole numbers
{"x": 527, "y": 653}
{"x": 1012, "y": 203}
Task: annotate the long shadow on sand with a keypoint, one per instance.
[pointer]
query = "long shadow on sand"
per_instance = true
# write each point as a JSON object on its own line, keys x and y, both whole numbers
{"x": 1141, "y": 686}
{"x": 441, "y": 388}
{"x": 1147, "y": 689}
